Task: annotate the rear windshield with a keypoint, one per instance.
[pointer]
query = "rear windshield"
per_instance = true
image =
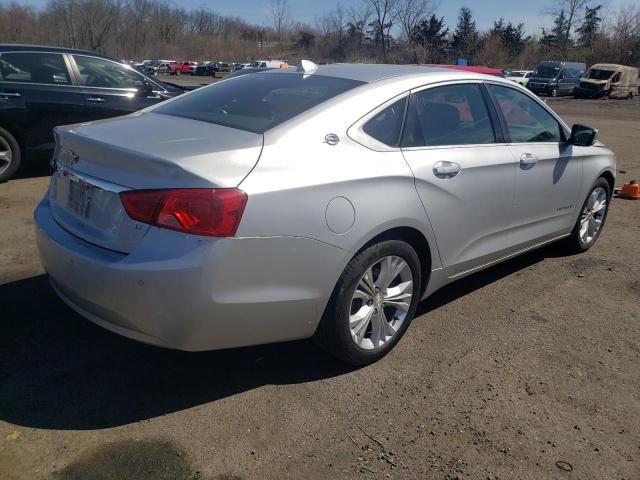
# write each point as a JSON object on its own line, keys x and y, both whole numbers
{"x": 257, "y": 102}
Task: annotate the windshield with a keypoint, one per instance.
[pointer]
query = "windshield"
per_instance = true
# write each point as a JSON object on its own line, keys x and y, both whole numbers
{"x": 515, "y": 74}
{"x": 547, "y": 72}
{"x": 596, "y": 74}
{"x": 257, "y": 102}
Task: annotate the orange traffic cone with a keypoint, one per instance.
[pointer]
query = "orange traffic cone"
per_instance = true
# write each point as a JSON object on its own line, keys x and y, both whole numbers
{"x": 630, "y": 190}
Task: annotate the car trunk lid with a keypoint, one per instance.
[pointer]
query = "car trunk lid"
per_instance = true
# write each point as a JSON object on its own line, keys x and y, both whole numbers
{"x": 96, "y": 161}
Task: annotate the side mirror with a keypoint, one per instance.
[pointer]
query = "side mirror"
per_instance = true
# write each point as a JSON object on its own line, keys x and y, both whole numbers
{"x": 582, "y": 136}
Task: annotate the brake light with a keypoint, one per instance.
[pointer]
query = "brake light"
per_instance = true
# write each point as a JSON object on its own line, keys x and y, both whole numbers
{"x": 214, "y": 212}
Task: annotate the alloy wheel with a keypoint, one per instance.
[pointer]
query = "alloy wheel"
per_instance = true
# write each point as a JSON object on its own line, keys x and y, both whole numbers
{"x": 593, "y": 215}
{"x": 380, "y": 302}
{"x": 6, "y": 155}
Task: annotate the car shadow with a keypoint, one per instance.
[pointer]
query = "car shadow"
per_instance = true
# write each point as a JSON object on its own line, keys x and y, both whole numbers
{"x": 34, "y": 166}
{"x": 59, "y": 371}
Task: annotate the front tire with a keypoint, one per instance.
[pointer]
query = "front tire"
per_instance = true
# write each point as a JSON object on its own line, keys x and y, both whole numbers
{"x": 10, "y": 155}
{"x": 554, "y": 92}
{"x": 372, "y": 304}
{"x": 592, "y": 218}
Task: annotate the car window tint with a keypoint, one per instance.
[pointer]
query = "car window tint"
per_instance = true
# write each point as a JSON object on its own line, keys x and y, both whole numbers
{"x": 449, "y": 115}
{"x": 526, "y": 119}
{"x": 385, "y": 126}
{"x": 34, "y": 68}
{"x": 259, "y": 101}
{"x": 98, "y": 72}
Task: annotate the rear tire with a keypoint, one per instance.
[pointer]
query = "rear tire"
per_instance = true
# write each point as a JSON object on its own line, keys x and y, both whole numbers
{"x": 592, "y": 218}
{"x": 353, "y": 327}
{"x": 10, "y": 155}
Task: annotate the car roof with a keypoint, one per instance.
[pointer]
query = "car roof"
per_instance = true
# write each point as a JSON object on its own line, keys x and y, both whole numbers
{"x": 370, "y": 73}
{"x": 11, "y": 47}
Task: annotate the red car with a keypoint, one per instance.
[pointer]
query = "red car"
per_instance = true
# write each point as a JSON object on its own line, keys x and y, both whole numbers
{"x": 178, "y": 68}
{"x": 473, "y": 68}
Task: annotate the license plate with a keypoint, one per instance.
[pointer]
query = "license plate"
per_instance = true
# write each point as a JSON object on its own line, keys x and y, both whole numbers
{"x": 79, "y": 198}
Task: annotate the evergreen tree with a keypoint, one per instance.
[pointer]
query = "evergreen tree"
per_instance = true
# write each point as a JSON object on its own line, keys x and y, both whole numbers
{"x": 590, "y": 27}
{"x": 512, "y": 36}
{"x": 431, "y": 35}
{"x": 465, "y": 37}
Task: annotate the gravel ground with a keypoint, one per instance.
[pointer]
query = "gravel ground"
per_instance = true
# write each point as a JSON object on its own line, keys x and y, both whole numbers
{"x": 527, "y": 370}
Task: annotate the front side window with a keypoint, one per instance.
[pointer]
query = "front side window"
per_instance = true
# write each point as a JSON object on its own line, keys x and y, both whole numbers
{"x": 385, "y": 126}
{"x": 526, "y": 119}
{"x": 449, "y": 115}
{"x": 98, "y": 72}
{"x": 30, "y": 67}
{"x": 257, "y": 102}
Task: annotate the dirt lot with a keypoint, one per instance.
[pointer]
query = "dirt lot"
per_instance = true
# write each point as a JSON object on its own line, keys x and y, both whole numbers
{"x": 506, "y": 374}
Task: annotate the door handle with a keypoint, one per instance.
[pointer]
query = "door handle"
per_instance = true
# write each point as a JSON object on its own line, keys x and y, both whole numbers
{"x": 96, "y": 99}
{"x": 446, "y": 169}
{"x": 10, "y": 94}
{"x": 528, "y": 159}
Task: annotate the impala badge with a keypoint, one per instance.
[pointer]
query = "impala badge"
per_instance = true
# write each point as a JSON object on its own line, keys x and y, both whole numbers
{"x": 70, "y": 157}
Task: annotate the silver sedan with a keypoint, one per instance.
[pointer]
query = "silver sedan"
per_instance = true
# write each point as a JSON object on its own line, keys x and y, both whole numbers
{"x": 320, "y": 202}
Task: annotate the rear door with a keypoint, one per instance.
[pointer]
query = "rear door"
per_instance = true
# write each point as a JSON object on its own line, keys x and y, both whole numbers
{"x": 111, "y": 89}
{"x": 548, "y": 177}
{"x": 36, "y": 94}
{"x": 464, "y": 175}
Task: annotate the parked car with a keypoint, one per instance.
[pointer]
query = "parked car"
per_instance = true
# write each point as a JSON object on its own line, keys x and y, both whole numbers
{"x": 319, "y": 202}
{"x": 145, "y": 67}
{"x": 246, "y": 71}
{"x": 555, "y": 78}
{"x": 164, "y": 67}
{"x": 612, "y": 80}
{"x": 41, "y": 87}
{"x": 519, "y": 76}
{"x": 267, "y": 64}
{"x": 204, "y": 69}
{"x": 179, "y": 68}
{"x": 222, "y": 67}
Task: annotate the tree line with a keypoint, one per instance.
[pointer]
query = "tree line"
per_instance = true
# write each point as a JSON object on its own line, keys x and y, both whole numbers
{"x": 392, "y": 31}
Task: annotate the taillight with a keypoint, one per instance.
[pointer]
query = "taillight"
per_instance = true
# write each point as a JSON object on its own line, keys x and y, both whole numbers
{"x": 214, "y": 212}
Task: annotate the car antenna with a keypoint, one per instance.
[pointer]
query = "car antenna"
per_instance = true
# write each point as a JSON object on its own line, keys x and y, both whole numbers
{"x": 307, "y": 67}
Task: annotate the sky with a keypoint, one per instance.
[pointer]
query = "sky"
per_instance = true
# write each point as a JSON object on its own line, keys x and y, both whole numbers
{"x": 531, "y": 13}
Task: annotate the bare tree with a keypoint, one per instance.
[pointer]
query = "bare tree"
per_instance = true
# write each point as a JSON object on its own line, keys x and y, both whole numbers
{"x": 572, "y": 10}
{"x": 412, "y": 12}
{"x": 280, "y": 15}
{"x": 384, "y": 16}
{"x": 357, "y": 20}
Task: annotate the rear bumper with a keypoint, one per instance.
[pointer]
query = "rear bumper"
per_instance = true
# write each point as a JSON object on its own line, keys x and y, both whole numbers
{"x": 193, "y": 293}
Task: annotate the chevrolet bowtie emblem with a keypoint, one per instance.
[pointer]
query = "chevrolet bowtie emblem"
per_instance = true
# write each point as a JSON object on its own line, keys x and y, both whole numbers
{"x": 70, "y": 157}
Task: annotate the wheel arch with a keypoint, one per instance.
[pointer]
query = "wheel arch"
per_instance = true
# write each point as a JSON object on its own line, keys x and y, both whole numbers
{"x": 418, "y": 242}
{"x": 610, "y": 178}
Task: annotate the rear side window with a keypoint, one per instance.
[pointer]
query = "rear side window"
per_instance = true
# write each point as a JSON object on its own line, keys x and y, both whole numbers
{"x": 526, "y": 120}
{"x": 448, "y": 115}
{"x": 259, "y": 101}
{"x": 98, "y": 72}
{"x": 29, "y": 67}
{"x": 385, "y": 126}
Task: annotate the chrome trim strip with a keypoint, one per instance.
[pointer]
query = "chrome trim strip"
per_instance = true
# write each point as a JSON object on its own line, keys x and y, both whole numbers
{"x": 87, "y": 179}
{"x": 507, "y": 257}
